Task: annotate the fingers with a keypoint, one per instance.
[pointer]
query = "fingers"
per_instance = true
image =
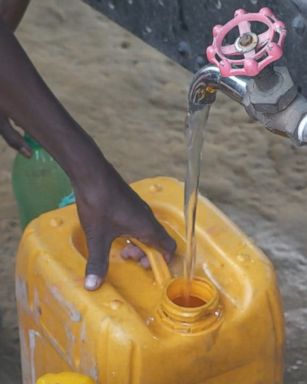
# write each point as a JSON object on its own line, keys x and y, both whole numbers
{"x": 132, "y": 252}
{"x": 99, "y": 245}
{"x": 13, "y": 138}
{"x": 157, "y": 237}
{"x": 135, "y": 253}
{"x": 145, "y": 262}
{"x": 112, "y": 212}
{"x": 149, "y": 231}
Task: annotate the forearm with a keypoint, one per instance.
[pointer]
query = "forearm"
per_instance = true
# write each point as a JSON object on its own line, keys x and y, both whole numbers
{"x": 107, "y": 206}
{"x": 25, "y": 98}
{"x": 12, "y": 11}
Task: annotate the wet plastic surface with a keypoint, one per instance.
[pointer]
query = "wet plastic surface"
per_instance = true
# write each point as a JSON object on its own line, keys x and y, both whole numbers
{"x": 124, "y": 332}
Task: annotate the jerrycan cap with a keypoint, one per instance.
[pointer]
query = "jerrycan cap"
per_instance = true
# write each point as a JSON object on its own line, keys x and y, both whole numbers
{"x": 189, "y": 314}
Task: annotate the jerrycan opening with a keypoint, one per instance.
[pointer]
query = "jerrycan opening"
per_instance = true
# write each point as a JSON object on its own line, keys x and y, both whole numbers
{"x": 189, "y": 294}
{"x": 192, "y": 313}
{"x": 188, "y": 301}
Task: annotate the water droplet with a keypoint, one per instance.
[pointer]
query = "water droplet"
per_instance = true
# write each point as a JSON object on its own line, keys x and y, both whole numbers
{"x": 161, "y": 2}
{"x": 56, "y": 222}
{"x": 298, "y": 24}
{"x": 200, "y": 62}
{"x": 184, "y": 49}
{"x": 156, "y": 188}
{"x": 218, "y": 4}
{"x": 148, "y": 29}
{"x": 116, "y": 304}
{"x": 244, "y": 258}
{"x": 130, "y": 2}
{"x": 149, "y": 320}
{"x": 111, "y": 5}
{"x": 254, "y": 2}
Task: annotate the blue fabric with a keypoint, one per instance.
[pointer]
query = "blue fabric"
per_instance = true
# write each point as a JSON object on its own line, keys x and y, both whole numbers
{"x": 67, "y": 200}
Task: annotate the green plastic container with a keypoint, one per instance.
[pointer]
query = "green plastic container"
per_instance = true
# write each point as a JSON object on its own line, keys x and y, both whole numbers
{"x": 39, "y": 183}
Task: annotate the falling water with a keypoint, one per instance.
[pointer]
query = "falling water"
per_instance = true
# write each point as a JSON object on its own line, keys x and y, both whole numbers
{"x": 196, "y": 122}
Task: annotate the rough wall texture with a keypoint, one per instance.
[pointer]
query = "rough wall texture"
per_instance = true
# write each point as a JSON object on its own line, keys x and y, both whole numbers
{"x": 181, "y": 29}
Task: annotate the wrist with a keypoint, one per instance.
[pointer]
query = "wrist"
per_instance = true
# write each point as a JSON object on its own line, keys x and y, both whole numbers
{"x": 91, "y": 175}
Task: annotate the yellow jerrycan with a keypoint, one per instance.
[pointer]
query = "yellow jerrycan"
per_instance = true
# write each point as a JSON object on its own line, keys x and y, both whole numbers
{"x": 65, "y": 378}
{"x": 137, "y": 329}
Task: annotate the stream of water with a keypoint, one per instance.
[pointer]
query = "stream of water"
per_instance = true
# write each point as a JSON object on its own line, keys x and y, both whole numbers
{"x": 195, "y": 128}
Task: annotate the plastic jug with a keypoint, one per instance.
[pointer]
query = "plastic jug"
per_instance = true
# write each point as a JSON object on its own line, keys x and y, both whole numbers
{"x": 39, "y": 183}
{"x": 130, "y": 330}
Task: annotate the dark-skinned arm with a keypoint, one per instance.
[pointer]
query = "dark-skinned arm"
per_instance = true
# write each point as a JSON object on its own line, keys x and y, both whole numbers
{"x": 107, "y": 206}
{"x": 11, "y": 12}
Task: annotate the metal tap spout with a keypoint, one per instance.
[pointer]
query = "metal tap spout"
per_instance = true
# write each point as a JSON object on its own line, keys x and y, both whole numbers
{"x": 245, "y": 71}
{"x": 207, "y": 81}
{"x": 271, "y": 97}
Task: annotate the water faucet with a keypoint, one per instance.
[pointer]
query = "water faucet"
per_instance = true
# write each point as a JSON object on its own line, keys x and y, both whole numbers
{"x": 246, "y": 70}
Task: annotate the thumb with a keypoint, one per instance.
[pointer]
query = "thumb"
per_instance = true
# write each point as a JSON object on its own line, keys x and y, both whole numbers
{"x": 99, "y": 244}
{"x": 13, "y": 138}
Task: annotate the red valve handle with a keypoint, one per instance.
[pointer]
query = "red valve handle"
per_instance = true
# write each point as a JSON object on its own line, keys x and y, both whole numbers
{"x": 251, "y": 52}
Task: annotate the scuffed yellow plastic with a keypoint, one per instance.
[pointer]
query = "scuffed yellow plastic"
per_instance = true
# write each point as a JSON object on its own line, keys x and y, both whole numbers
{"x": 121, "y": 333}
{"x": 65, "y": 378}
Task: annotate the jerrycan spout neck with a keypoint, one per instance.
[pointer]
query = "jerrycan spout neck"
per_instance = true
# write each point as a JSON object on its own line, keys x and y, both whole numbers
{"x": 194, "y": 313}
{"x": 186, "y": 306}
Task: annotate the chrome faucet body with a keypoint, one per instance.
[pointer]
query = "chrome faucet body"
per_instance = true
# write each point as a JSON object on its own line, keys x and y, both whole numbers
{"x": 208, "y": 80}
{"x": 245, "y": 72}
{"x": 271, "y": 98}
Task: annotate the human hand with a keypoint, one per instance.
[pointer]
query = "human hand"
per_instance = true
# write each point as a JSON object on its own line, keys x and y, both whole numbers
{"x": 13, "y": 138}
{"x": 107, "y": 206}
{"x": 109, "y": 209}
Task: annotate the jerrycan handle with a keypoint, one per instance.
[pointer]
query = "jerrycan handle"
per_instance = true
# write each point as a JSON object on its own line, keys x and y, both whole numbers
{"x": 157, "y": 262}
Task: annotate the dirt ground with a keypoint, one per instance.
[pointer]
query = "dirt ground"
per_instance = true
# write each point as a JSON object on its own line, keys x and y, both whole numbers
{"x": 131, "y": 99}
